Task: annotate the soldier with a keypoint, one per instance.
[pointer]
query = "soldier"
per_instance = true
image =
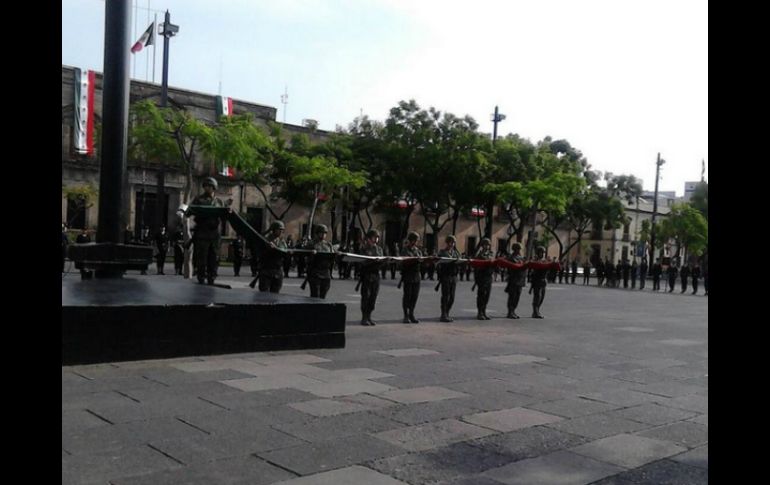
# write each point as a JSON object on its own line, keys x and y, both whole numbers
{"x": 319, "y": 271}
{"x": 370, "y": 277}
{"x": 552, "y": 271}
{"x": 643, "y": 273}
{"x": 695, "y": 274}
{"x": 673, "y": 271}
{"x": 206, "y": 234}
{"x": 177, "y": 242}
{"x": 626, "y": 271}
{"x": 517, "y": 278}
{"x": 410, "y": 277}
{"x": 161, "y": 243}
{"x": 618, "y": 274}
{"x": 609, "y": 272}
{"x": 237, "y": 247}
{"x": 657, "y": 272}
{"x": 395, "y": 252}
{"x": 271, "y": 262}
{"x": 288, "y": 260}
{"x": 84, "y": 238}
{"x": 447, "y": 276}
{"x": 562, "y": 270}
{"x": 64, "y": 244}
{"x": 586, "y": 272}
{"x": 634, "y": 274}
{"x": 539, "y": 282}
{"x": 483, "y": 278}
{"x": 599, "y": 272}
{"x": 684, "y": 273}
{"x": 574, "y": 271}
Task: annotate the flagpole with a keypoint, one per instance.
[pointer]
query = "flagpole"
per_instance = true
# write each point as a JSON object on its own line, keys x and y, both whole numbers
{"x": 154, "y": 44}
{"x": 133, "y": 58}
{"x": 147, "y": 57}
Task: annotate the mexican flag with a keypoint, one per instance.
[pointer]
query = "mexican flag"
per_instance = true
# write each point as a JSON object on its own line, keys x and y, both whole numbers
{"x": 83, "y": 129}
{"x": 224, "y": 107}
{"x": 147, "y": 38}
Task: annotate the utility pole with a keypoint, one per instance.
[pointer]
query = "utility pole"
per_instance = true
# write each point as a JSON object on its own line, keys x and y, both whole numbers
{"x": 496, "y": 118}
{"x": 167, "y": 30}
{"x": 655, "y": 209}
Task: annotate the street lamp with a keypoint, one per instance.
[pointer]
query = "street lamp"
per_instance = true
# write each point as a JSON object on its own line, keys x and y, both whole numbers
{"x": 658, "y": 164}
{"x": 496, "y": 118}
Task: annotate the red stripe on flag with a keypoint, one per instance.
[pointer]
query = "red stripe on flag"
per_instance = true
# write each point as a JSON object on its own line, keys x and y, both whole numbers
{"x": 229, "y": 106}
{"x": 90, "y": 121}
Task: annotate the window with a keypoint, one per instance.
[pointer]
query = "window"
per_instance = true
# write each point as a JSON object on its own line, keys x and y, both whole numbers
{"x": 76, "y": 212}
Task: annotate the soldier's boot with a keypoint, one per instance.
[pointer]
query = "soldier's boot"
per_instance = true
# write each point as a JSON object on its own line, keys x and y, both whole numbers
{"x": 444, "y": 316}
{"x": 406, "y": 316}
{"x": 537, "y": 312}
{"x": 412, "y": 319}
{"x": 480, "y": 314}
{"x": 365, "y": 319}
{"x": 486, "y": 317}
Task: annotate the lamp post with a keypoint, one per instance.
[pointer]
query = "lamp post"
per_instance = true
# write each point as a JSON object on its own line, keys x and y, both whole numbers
{"x": 496, "y": 118}
{"x": 167, "y": 30}
{"x": 658, "y": 164}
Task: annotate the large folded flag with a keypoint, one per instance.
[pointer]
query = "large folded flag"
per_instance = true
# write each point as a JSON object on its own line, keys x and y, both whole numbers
{"x": 83, "y": 131}
{"x": 147, "y": 38}
{"x": 224, "y": 107}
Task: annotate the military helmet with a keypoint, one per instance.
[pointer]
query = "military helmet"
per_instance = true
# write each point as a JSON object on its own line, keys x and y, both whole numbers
{"x": 210, "y": 181}
{"x": 540, "y": 248}
{"x": 321, "y": 228}
{"x": 485, "y": 241}
{"x": 451, "y": 238}
{"x": 413, "y": 236}
{"x": 516, "y": 246}
{"x": 277, "y": 225}
{"x": 372, "y": 233}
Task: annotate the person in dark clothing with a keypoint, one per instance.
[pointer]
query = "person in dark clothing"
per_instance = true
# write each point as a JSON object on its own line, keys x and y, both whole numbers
{"x": 673, "y": 272}
{"x": 657, "y": 272}
{"x": 271, "y": 261}
{"x": 483, "y": 278}
{"x": 609, "y": 273}
{"x": 684, "y": 273}
{"x": 161, "y": 244}
{"x": 177, "y": 242}
{"x": 517, "y": 278}
{"x": 634, "y": 274}
{"x": 539, "y": 282}
{"x": 586, "y": 272}
{"x": 574, "y": 271}
{"x": 618, "y": 274}
{"x": 447, "y": 275}
{"x": 561, "y": 272}
{"x": 626, "y": 271}
{"x": 695, "y": 274}
{"x": 65, "y": 242}
{"x": 370, "y": 276}
{"x": 253, "y": 261}
{"x": 288, "y": 260}
{"x": 83, "y": 238}
{"x": 206, "y": 237}
{"x": 599, "y": 273}
{"x": 237, "y": 247}
{"x": 410, "y": 277}
{"x": 643, "y": 273}
{"x": 319, "y": 271}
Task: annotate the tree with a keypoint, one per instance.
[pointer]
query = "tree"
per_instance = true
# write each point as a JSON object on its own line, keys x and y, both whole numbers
{"x": 82, "y": 196}
{"x": 700, "y": 199}
{"x": 688, "y": 228}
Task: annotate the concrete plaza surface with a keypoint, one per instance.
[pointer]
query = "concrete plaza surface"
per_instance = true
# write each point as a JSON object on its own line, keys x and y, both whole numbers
{"x": 610, "y": 388}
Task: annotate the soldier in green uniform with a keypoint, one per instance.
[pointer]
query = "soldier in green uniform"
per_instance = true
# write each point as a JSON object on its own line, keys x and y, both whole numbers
{"x": 539, "y": 282}
{"x": 517, "y": 278}
{"x": 483, "y": 278}
{"x": 447, "y": 275}
{"x": 410, "y": 277}
{"x": 673, "y": 272}
{"x": 206, "y": 234}
{"x": 657, "y": 271}
{"x": 370, "y": 277}
{"x": 271, "y": 262}
{"x": 319, "y": 273}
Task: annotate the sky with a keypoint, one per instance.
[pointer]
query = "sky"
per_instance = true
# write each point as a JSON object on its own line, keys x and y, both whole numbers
{"x": 622, "y": 81}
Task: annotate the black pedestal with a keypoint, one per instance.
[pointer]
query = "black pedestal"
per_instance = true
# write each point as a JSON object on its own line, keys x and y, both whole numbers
{"x": 110, "y": 320}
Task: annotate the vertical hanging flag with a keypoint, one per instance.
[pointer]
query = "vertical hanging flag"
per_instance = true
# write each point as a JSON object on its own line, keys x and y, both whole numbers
{"x": 147, "y": 38}
{"x": 83, "y": 130}
{"x": 224, "y": 107}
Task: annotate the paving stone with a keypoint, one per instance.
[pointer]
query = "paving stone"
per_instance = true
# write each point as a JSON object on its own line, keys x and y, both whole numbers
{"x": 80, "y": 419}
{"x": 696, "y": 457}
{"x": 311, "y": 458}
{"x": 213, "y": 364}
{"x": 173, "y": 377}
{"x": 622, "y": 397}
{"x": 471, "y": 480}
{"x": 597, "y": 426}
{"x": 345, "y": 375}
{"x": 275, "y": 381}
{"x": 421, "y": 394}
{"x": 572, "y": 408}
{"x": 245, "y": 421}
{"x": 627, "y": 450}
{"x": 254, "y": 399}
{"x": 348, "y": 388}
{"x": 248, "y": 470}
{"x": 681, "y": 342}
{"x": 333, "y": 427}
{"x": 702, "y": 419}
{"x": 683, "y": 433}
{"x": 160, "y": 406}
{"x": 653, "y": 414}
{"x": 514, "y": 359}
{"x": 692, "y": 403}
{"x": 558, "y": 468}
{"x": 667, "y": 472}
{"x": 355, "y": 475}
{"x": 668, "y": 388}
{"x": 414, "y": 468}
{"x": 529, "y": 442}
{"x": 407, "y": 352}
{"x": 466, "y": 459}
{"x": 105, "y": 465}
{"x": 425, "y": 412}
{"x": 286, "y": 358}
{"x": 510, "y": 419}
{"x": 328, "y": 407}
{"x": 432, "y": 435}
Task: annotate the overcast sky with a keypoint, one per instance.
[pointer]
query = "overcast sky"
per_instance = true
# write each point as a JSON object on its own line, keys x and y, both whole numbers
{"x": 620, "y": 80}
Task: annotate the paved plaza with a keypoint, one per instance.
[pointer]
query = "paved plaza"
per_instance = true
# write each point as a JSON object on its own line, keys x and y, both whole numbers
{"x": 610, "y": 388}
